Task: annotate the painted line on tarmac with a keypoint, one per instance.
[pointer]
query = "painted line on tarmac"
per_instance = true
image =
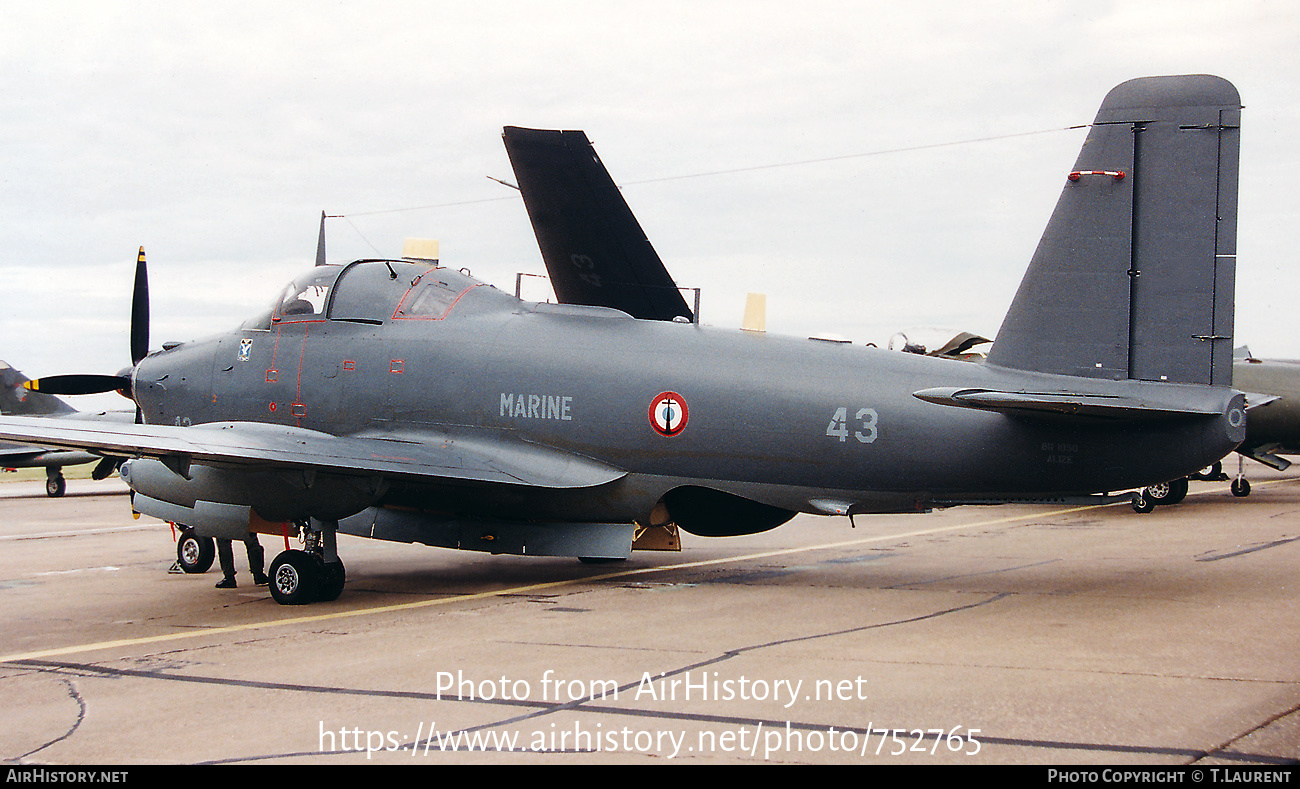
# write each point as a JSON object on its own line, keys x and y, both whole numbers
{"x": 75, "y": 532}
{"x": 527, "y": 588}
{"x": 516, "y": 590}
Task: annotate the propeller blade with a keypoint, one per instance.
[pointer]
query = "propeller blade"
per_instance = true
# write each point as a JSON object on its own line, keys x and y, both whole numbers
{"x": 79, "y": 384}
{"x": 140, "y": 311}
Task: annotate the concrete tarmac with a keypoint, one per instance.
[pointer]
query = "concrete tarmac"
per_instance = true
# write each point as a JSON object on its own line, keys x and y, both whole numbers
{"x": 977, "y": 635}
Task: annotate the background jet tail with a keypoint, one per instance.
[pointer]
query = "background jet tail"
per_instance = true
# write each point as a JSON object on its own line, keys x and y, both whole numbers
{"x": 595, "y": 251}
{"x": 17, "y": 401}
{"x": 1134, "y": 276}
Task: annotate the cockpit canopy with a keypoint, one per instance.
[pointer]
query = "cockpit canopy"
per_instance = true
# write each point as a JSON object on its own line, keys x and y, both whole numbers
{"x": 366, "y": 291}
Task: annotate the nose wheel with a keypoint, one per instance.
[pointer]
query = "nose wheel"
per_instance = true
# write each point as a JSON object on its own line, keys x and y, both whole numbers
{"x": 194, "y": 554}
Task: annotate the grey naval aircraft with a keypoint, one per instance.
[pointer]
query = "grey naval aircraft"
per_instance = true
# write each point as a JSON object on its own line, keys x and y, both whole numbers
{"x": 402, "y": 400}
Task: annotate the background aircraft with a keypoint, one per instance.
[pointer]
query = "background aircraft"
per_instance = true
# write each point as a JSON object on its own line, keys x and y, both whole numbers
{"x": 1272, "y": 430}
{"x": 16, "y": 400}
{"x": 395, "y": 400}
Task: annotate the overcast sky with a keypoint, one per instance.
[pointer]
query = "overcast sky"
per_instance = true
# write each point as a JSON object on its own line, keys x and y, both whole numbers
{"x": 215, "y": 133}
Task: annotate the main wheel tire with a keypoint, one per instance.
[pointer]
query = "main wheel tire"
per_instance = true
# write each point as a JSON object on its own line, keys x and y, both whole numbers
{"x": 1240, "y": 487}
{"x": 194, "y": 553}
{"x": 1167, "y": 492}
{"x": 295, "y": 578}
{"x": 55, "y": 486}
{"x": 333, "y": 576}
{"x": 1210, "y": 473}
{"x": 601, "y": 559}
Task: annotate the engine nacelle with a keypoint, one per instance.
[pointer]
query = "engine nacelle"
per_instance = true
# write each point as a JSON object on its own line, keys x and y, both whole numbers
{"x": 216, "y": 500}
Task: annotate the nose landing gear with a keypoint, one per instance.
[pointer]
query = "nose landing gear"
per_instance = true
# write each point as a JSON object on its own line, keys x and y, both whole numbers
{"x": 194, "y": 554}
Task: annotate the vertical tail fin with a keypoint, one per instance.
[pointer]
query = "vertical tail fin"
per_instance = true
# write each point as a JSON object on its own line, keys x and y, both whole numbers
{"x": 595, "y": 251}
{"x": 1134, "y": 276}
{"x": 16, "y": 400}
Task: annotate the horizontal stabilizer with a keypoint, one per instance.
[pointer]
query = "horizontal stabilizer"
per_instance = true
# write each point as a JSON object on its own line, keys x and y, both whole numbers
{"x": 1063, "y": 403}
{"x": 595, "y": 250}
{"x": 1267, "y": 454}
{"x": 1256, "y": 400}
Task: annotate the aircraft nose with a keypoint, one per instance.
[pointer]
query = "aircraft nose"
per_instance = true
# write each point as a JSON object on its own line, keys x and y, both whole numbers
{"x": 127, "y": 374}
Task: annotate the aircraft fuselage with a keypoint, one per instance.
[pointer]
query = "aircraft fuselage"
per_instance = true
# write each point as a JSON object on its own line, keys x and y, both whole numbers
{"x": 797, "y": 424}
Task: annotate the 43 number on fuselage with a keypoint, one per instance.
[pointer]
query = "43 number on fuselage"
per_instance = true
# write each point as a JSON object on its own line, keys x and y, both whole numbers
{"x": 865, "y": 419}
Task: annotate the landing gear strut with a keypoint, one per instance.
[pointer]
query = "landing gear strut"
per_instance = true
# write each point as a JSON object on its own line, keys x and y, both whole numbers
{"x": 313, "y": 574}
{"x": 1240, "y": 486}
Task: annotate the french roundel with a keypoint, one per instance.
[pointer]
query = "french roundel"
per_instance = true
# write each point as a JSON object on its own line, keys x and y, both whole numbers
{"x": 668, "y": 414}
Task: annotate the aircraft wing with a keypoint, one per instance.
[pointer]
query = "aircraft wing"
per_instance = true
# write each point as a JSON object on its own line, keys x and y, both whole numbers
{"x": 427, "y": 455}
{"x": 595, "y": 251}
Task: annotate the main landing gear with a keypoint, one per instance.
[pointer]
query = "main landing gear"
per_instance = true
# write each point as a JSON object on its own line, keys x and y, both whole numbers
{"x": 1211, "y": 473}
{"x": 310, "y": 575}
{"x": 313, "y": 574}
{"x": 55, "y": 484}
{"x": 1173, "y": 492}
{"x": 1167, "y": 492}
{"x": 1163, "y": 494}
